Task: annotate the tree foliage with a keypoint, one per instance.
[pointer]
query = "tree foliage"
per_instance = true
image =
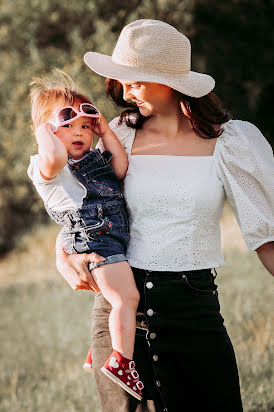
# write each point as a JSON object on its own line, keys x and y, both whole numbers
{"x": 235, "y": 42}
{"x": 232, "y": 41}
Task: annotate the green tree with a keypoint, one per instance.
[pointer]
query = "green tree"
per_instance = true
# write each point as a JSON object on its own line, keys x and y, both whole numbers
{"x": 232, "y": 41}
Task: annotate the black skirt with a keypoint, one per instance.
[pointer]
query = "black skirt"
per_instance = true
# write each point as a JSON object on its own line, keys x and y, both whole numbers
{"x": 182, "y": 350}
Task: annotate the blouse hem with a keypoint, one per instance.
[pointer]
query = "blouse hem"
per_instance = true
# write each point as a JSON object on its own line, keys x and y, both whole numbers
{"x": 253, "y": 248}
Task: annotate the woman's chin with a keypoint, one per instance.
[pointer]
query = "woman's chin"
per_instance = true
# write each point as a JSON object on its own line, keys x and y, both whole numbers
{"x": 145, "y": 111}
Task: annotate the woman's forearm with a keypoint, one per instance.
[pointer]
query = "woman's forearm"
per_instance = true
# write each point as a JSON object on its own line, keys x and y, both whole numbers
{"x": 266, "y": 255}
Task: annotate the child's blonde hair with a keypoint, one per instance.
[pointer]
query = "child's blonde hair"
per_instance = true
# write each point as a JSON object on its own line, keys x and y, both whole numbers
{"x": 49, "y": 91}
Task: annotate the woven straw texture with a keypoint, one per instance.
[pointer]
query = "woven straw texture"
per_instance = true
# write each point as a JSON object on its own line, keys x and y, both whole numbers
{"x": 152, "y": 51}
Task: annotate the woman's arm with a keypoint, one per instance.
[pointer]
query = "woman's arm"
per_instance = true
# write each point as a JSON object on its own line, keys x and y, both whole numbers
{"x": 110, "y": 141}
{"x": 74, "y": 268}
{"x": 266, "y": 255}
{"x": 52, "y": 152}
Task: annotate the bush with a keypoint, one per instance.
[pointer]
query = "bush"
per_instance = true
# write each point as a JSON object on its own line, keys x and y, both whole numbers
{"x": 37, "y": 35}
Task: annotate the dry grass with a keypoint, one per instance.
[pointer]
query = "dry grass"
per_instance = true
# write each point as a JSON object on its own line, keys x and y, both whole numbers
{"x": 44, "y": 327}
{"x": 33, "y": 260}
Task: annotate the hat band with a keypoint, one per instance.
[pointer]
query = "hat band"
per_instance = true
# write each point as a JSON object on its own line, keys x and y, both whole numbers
{"x": 148, "y": 67}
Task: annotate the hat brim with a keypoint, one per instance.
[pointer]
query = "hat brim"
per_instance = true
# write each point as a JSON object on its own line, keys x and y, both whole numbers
{"x": 192, "y": 83}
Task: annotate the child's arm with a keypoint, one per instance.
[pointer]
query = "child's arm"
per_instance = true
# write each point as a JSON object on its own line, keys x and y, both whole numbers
{"x": 119, "y": 161}
{"x": 52, "y": 152}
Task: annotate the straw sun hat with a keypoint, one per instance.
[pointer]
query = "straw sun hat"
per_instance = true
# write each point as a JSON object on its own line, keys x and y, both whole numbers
{"x": 152, "y": 51}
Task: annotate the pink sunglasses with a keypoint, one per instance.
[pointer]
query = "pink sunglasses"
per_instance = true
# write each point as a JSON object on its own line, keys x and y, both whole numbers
{"x": 69, "y": 113}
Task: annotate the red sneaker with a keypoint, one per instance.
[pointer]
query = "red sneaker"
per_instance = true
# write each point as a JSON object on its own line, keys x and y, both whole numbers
{"x": 88, "y": 363}
{"x": 122, "y": 371}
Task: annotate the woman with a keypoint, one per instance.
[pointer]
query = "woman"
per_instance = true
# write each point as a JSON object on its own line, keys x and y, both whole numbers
{"x": 185, "y": 156}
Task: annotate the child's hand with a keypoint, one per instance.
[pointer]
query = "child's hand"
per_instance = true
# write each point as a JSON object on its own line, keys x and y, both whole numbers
{"x": 44, "y": 130}
{"x": 110, "y": 141}
{"x": 100, "y": 126}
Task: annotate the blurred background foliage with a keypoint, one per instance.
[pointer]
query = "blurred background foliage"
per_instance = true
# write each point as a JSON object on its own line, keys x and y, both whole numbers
{"x": 232, "y": 40}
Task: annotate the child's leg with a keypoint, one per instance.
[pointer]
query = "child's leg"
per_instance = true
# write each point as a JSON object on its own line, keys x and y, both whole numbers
{"x": 117, "y": 284}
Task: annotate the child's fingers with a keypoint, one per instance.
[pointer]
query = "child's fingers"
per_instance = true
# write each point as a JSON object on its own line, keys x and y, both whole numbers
{"x": 95, "y": 121}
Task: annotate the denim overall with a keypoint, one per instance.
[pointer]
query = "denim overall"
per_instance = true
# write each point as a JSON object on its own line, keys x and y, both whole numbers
{"x": 100, "y": 225}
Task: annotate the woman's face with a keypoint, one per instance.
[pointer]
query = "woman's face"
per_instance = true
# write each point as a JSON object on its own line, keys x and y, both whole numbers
{"x": 151, "y": 98}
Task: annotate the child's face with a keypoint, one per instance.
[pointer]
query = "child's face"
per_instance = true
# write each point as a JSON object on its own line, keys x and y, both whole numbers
{"x": 77, "y": 135}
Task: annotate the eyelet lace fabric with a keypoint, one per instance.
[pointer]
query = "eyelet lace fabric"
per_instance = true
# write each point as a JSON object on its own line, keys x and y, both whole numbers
{"x": 245, "y": 165}
{"x": 175, "y": 202}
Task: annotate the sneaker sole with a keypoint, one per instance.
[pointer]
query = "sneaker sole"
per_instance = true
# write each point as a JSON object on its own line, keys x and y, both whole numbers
{"x": 122, "y": 384}
{"x": 88, "y": 368}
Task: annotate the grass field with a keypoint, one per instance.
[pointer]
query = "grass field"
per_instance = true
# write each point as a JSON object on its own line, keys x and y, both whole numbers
{"x": 44, "y": 328}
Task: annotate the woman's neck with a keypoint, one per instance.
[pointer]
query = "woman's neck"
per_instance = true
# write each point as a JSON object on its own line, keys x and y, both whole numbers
{"x": 170, "y": 123}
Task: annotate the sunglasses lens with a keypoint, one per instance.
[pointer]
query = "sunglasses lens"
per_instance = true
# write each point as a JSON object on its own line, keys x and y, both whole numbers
{"x": 89, "y": 109}
{"x": 66, "y": 114}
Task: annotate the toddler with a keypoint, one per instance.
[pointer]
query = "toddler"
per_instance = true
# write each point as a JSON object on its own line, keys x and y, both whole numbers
{"x": 81, "y": 190}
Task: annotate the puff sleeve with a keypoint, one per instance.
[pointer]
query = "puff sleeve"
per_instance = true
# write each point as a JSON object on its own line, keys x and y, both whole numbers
{"x": 245, "y": 165}
{"x": 124, "y": 133}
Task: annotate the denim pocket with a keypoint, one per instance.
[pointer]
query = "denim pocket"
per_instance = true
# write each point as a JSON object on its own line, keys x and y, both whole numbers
{"x": 100, "y": 171}
{"x": 99, "y": 226}
{"x": 201, "y": 284}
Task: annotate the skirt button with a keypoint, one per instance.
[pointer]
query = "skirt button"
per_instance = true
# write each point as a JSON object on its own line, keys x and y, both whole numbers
{"x": 149, "y": 285}
{"x": 150, "y": 312}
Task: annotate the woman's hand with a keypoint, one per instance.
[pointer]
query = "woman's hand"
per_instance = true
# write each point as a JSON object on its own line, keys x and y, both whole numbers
{"x": 74, "y": 268}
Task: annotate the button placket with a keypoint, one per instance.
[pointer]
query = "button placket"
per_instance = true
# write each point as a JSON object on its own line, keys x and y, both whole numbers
{"x": 149, "y": 312}
{"x": 151, "y": 336}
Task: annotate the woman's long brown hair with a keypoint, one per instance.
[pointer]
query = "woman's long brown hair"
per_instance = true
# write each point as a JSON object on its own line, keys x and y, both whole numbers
{"x": 204, "y": 113}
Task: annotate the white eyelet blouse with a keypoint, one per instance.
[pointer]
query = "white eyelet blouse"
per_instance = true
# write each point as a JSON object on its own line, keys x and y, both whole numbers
{"x": 175, "y": 202}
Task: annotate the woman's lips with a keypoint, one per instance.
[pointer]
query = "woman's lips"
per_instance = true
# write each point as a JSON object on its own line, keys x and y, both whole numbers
{"x": 138, "y": 103}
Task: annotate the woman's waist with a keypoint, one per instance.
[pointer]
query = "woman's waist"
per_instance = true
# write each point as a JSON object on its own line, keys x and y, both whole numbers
{"x": 187, "y": 251}
{"x": 160, "y": 283}
{"x": 168, "y": 300}
{"x": 163, "y": 276}
{"x": 173, "y": 228}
